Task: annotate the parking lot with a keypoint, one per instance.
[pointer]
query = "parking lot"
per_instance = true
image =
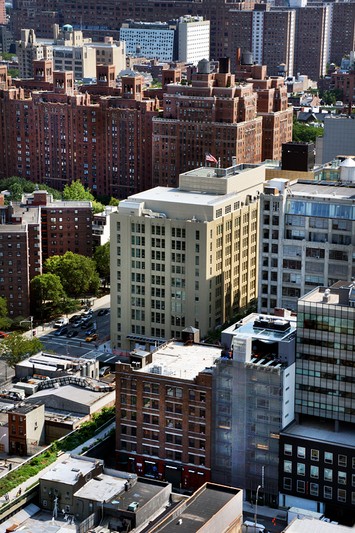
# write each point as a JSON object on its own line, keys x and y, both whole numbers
{"x": 72, "y": 341}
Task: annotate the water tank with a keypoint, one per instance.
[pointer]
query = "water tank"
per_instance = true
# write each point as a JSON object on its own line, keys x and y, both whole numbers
{"x": 247, "y": 58}
{"x": 203, "y": 66}
{"x": 347, "y": 170}
{"x": 67, "y": 27}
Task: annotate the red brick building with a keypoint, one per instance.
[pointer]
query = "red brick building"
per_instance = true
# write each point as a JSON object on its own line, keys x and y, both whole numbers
{"x": 33, "y": 230}
{"x": 170, "y": 389}
{"x": 26, "y": 429}
{"x": 215, "y": 115}
{"x": 58, "y": 136}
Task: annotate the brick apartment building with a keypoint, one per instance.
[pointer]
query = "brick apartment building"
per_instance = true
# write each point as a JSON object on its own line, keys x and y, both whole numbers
{"x": 33, "y": 230}
{"x": 216, "y": 115}
{"x": 105, "y": 142}
{"x": 113, "y": 140}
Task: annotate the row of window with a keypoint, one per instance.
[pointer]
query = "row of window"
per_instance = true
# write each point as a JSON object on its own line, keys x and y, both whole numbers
{"x": 328, "y": 457}
{"x": 313, "y": 489}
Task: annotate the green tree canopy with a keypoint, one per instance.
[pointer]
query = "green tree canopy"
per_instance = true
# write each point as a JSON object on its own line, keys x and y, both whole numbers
{"x": 102, "y": 260}
{"x": 77, "y": 191}
{"x": 17, "y": 347}
{"x": 5, "y": 321}
{"x": 76, "y": 272}
{"x": 17, "y": 186}
{"x": 47, "y": 294}
{"x": 305, "y": 133}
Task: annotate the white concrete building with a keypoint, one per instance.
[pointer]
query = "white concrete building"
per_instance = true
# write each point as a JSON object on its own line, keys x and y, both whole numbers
{"x": 184, "y": 256}
{"x": 186, "y": 39}
{"x": 307, "y": 235}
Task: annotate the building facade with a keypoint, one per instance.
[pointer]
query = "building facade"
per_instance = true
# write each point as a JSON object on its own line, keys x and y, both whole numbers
{"x": 317, "y": 454}
{"x": 253, "y": 401}
{"x": 184, "y": 256}
{"x": 306, "y": 235}
{"x": 26, "y": 429}
{"x": 163, "y": 390}
{"x": 107, "y": 145}
{"x": 219, "y": 116}
{"x": 31, "y": 231}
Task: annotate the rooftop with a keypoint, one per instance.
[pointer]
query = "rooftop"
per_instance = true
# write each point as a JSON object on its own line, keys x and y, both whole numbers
{"x": 317, "y": 430}
{"x": 200, "y": 508}
{"x": 69, "y": 470}
{"x": 321, "y": 190}
{"x": 264, "y": 327}
{"x": 185, "y": 362}
{"x": 341, "y": 293}
{"x": 102, "y": 488}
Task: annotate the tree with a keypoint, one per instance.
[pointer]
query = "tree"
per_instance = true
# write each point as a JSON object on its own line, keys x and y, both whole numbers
{"x": 102, "y": 260}
{"x": 113, "y": 201}
{"x": 47, "y": 293}
{"x": 5, "y": 321}
{"x": 17, "y": 347}
{"x": 76, "y": 272}
{"x": 305, "y": 132}
{"x": 47, "y": 288}
{"x": 77, "y": 191}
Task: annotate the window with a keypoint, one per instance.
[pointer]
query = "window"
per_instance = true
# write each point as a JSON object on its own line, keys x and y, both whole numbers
{"x": 314, "y": 471}
{"x": 328, "y": 474}
{"x": 287, "y": 483}
{"x": 288, "y": 467}
{"x": 288, "y": 449}
{"x": 313, "y": 489}
{"x": 328, "y": 457}
{"x": 301, "y": 469}
{"x": 314, "y": 455}
{"x": 341, "y": 495}
{"x": 328, "y": 492}
{"x": 342, "y": 460}
{"x": 300, "y": 486}
{"x": 342, "y": 478}
{"x": 301, "y": 452}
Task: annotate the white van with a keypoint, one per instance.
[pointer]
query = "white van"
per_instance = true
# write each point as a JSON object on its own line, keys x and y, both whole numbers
{"x": 251, "y": 527}
{"x": 60, "y": 322}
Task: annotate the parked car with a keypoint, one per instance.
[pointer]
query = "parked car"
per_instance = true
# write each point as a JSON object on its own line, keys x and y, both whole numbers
{"x": 62, "y": 331}
{"x": 86, "y": 324}
{"x": 104, "y": 371}
{"x": 133, "y": 506}
{"x": 72, "y": 333}
{"x": 87, "y": 313}
{"x": 103, "y": 312}
{"x": 90, "y": 331}
{"x": 74, "y": 318}
{"x": 60, "y": 322}
{"x": 77, "y": 323}
{"x": 91, "y": 338}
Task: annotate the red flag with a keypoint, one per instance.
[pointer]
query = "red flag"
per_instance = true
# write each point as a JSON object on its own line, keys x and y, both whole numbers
{"x": 210, "y": 158}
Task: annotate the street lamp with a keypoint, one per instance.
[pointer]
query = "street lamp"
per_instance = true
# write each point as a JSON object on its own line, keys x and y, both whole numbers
{"x": 256, "y": 506}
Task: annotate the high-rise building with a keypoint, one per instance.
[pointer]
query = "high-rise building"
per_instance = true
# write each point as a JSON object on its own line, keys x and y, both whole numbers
{"x": 69, "y": 51}
{"x": 215, "y": 115}
{"x": 253, "y": 400}
{"x": 186, "y": 39}
{"x": 184, "y": 256}
{"x": 33, "y": 230}
{"x": 300, "y": 40}
{"x": 317, "y": 452}
{"x": 306, "y": 234}
{"x": 2, "y": 12}
{"x": 62, "y": 135}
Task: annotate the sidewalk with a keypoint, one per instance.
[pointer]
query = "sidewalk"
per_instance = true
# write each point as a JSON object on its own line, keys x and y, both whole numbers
{"x": 265, "y": 511}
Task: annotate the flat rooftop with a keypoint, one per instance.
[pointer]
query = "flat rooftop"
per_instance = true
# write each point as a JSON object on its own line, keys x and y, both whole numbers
{"x": 67, "y": 471}
{"x": 102, "y": 488}
{"x": 310, "y": 525}
{"x": 185, "y": 362}
{"x": 319, "y": 190}
{"x": 322, "y": 431}
{"x": 199, "y": 510}
{"x": 141, "y": 492}
{"x": 248, "y": 327}
{"x": 71, "y": 393}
